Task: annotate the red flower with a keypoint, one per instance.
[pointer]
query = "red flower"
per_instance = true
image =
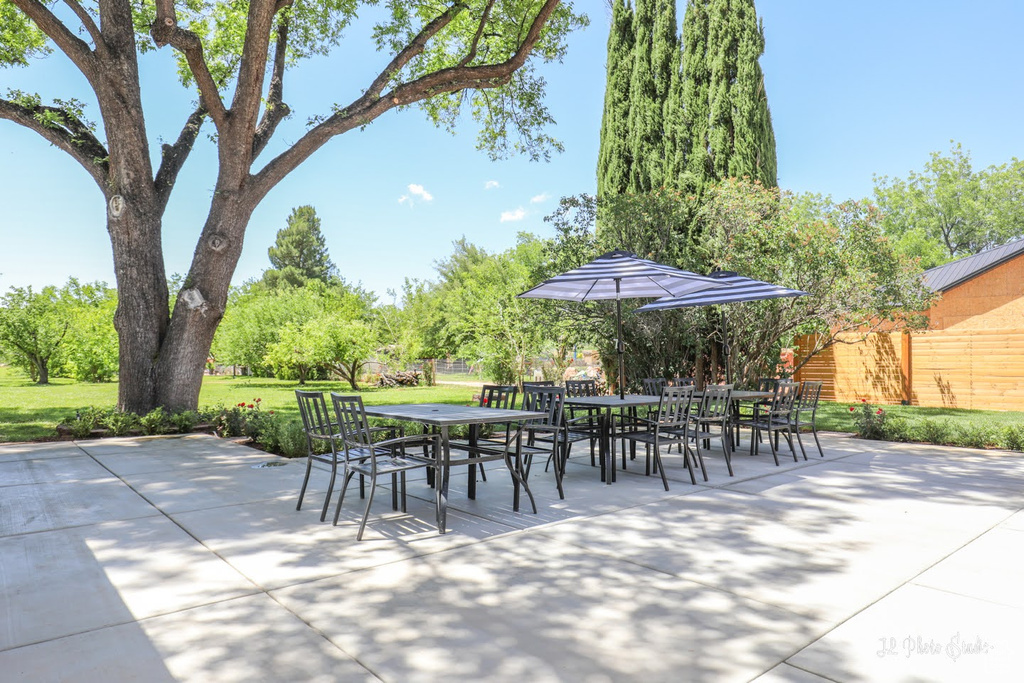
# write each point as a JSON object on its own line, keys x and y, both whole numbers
{"x": 485, "y": 401}
{"x": 250, "y": 406}
{"x": 242, "y": 404}
{"x": 852, "y": 409}
{"x": 878, "y": 412}
{"x": 863, "y": 400}
{"x": 271, "y": 412}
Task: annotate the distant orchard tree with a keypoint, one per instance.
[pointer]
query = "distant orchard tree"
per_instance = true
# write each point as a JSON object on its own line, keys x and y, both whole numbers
{"x": 300, "y": 251}
{"x": 33, "y": 325}
{"x": 233, "y": 58}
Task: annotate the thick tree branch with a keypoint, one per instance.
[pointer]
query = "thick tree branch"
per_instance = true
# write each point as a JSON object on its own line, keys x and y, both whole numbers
{"x": 366, "y": 109}
{"x": 276, "y": 110}
{"x": 252, "y": 68}
{"x": 71, "y": 45}
{"x": 479, "y": 33}
{"x": 89, "y": 24}
{"x": 406, "y": 54}
{"x": 165, "y": 31}
{"x": 63, "y": 131}
{"x": 174, "y": 156}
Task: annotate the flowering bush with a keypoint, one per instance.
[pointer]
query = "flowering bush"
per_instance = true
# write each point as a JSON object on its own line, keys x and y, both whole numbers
{"x": 870, "y": 421}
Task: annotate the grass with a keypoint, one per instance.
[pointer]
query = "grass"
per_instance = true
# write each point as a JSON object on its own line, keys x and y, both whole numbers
{"x": 837, "y": 416}
{"x": 30, "y": 412}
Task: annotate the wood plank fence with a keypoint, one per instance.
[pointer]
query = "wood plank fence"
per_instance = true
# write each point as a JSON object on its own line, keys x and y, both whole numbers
{"x": 976, "y": 369}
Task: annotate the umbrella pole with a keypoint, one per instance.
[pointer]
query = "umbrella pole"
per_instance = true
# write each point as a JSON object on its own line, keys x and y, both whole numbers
{"x": 619, "y": 348}
{"x": 725, "y": 348}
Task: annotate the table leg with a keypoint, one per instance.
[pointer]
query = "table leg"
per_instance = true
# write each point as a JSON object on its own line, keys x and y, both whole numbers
{"x": 441, "y": 480}
{"x": 608, "y": 455}
{"x": 474, "y": 435}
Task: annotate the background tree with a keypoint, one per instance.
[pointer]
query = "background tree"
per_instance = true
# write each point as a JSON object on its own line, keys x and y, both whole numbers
{"x": 614, "y": 156}
{"x": 727, "y": 124}
{"x": 236, "y": 58}
{"x": 299, "y": 252}
{"x": 33, "y": 325}
{"x": 949, "y": 210}
{"x": 89, "y": 350}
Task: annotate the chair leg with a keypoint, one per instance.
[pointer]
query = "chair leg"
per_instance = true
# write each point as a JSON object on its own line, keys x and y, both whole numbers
{"x": 403, "y": 491}
{"x": 394, "y": 490}
{"x": 799, "y": 440}
{"x": 775, "y": 451}
{"x": 700, "y": 462}
{"x": 728, "y": 457}
{"x": 330, "y": 490}
{"x": 305, "y": 480}
{"x": 366, "y": 512}
{"x": 341, "y": 498}
{"x": 659, "y": 466}
{"x": 814, "y": 430}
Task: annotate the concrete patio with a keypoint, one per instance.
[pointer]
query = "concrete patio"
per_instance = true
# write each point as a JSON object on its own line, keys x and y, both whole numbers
{"x": 175, "y": 559}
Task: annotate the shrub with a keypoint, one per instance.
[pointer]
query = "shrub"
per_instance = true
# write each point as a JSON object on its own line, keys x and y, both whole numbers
{"x": 292, "y": 440}
{"x": 933, "y": 431}
{"x": 870, "y": 421}
{"x": 120, "y": 424}
{"x": 184, "y": 421}
{"x": 894, "y": 428}
{"x": 156, "y": 421}
{"x": 973, "y": 436}
{"x": 1012, "y": 438}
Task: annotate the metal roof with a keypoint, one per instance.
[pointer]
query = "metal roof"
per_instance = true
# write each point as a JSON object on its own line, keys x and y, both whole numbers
{"x": 945, "y": 277}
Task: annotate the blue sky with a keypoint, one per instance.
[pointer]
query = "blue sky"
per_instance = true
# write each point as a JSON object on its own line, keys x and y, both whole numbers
{"x": 856, "y": 90}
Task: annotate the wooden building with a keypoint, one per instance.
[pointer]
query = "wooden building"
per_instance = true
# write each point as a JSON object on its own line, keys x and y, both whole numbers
{"x": 971, "y": 356}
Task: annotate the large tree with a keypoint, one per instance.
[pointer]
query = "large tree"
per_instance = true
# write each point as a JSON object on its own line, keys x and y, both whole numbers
{"x": 236, "y": 55}
{"x": 614, "y": 156}
{"x": 949, "y": 210}
{"x": 727, "y": 124}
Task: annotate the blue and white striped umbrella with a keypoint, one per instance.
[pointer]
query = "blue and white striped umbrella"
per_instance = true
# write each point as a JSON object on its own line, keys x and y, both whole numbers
{"x": 741, "y": 289}
{"x": 620, "y": 275}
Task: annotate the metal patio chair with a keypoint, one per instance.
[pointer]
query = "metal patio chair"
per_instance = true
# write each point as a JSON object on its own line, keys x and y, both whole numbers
{"x": 669, "y": 424}
{"x": 805, "y": 413}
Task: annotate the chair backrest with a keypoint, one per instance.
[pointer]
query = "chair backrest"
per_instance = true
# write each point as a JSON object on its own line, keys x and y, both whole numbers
{"x": 684, "y": 382}
{"x": 580, "y": 387}
{"x": 539, "y": 383}
{"x": 675, "y": 406}
{"x": 498, "y": 396}
{"x": 653, "y": 386}
{"x": 782, "y": 400}
{"x": 549, "y": 400}
{"x": 316, "y": 420}
{"x": 352, "y": 422}
{"x": 715, "y": 403}
{"x": 807, "y": 399}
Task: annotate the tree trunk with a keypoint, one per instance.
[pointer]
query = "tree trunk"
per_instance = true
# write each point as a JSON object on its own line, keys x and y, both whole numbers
{"x": 43, "y": 371}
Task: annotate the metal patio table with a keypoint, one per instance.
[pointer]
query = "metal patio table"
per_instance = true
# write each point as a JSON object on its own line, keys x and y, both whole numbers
{"x": 442, "y": 416}
{"x": 606, "y": 404}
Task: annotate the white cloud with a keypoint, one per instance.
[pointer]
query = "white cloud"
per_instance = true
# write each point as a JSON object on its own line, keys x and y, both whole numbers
{"x": 542, "y": 197}
{"x": 420, "y": 192}
{"x": 517, "y": 215}
{"x": 414, "y": 192}
{"x": 492, "y": 185}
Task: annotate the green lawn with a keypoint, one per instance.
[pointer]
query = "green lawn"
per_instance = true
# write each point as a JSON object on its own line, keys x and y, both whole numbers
{"x": 29, "y": 411}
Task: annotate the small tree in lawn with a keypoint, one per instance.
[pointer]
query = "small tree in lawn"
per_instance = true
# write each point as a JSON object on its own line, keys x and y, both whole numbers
{"x": 235, "y": 57}
{"x": 33, "y": 325}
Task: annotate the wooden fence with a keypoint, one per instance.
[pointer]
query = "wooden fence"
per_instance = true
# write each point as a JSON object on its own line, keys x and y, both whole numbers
{"x": 977, "y": 369}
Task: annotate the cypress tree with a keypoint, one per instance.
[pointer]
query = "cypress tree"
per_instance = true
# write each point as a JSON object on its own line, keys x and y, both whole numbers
{"x": 614, "y": 158}
{"x": 654, "y": 28}
{"x": 728, "y": 123}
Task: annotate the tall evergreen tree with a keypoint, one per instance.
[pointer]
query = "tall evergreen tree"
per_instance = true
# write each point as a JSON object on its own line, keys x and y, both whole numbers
{"x": 655, "y": 42}
{"x": 300, "y": 251}
{"x": 614, "y": 158}
{"x": 724, "y": 100}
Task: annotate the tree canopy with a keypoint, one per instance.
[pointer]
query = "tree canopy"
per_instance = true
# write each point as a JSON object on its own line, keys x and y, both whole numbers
{"x": 949, "y": 210}
{"x": 469, "y": 57}
{"x": 300, "y": 251}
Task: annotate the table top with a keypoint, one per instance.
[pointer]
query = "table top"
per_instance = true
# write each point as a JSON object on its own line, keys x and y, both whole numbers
{"x": 613, "y": 401}
{"x": 445, "y": 415}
